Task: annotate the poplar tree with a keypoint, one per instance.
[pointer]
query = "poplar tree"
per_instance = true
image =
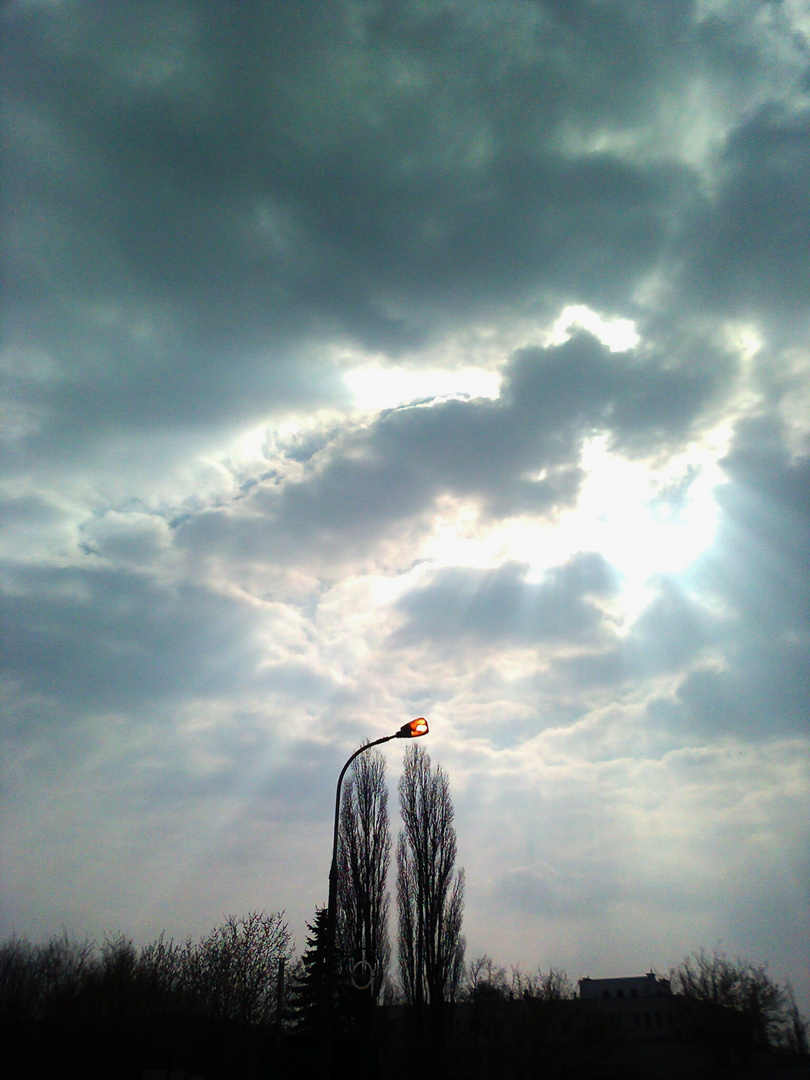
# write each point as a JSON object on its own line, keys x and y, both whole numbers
{"x": 430, "y": 892}
{"x": 364, "y": 859}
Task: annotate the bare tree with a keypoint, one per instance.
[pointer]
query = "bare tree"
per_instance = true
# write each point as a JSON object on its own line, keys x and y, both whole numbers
{"x": 430, "y": 893}
{"x": 234, "y": 970}
{"x": 739, "y": 1007}
{"x": 551, "y": 985}
{"x": 364, "y": 858}
{"x": 483, "y": 977}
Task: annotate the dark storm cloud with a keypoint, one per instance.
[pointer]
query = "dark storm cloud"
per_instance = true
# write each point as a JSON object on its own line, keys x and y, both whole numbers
{"x": 200, "y": 192}
{"x": 643, "y": 399}
{"x": 517, "y": 454}
{"x": 493, "y": 606}
{"x": 766, "y": 520}
{"x": 760, "y": 571}
{"x": 748, "y": 252}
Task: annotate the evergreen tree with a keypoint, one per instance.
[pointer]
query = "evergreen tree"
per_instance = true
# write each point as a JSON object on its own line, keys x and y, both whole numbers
{"x": 309, "y": 983}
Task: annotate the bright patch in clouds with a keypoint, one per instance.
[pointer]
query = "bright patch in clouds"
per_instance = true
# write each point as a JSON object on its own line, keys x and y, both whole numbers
{"x": 376, "y": 387}
{"x": 618, "y": 334}
{"x": 645, "y": 522}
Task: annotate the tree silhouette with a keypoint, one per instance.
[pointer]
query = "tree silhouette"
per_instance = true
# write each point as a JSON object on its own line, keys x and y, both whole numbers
{"x": 364, "y": 858}
{"x": 233, "y": 971}
{"x": 308, "y": 987}
{"x": 430, "y": 893}
{"x": 735, "y": 1007}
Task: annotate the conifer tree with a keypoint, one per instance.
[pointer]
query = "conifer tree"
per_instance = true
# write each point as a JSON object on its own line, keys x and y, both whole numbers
{"x": 308, "y": 985}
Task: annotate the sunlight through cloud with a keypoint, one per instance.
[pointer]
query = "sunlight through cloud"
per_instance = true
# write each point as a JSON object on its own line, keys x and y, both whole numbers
{"x": 376, "y": 387}
{"x": 646, "y": 522}
{"x": 618, "y": 334}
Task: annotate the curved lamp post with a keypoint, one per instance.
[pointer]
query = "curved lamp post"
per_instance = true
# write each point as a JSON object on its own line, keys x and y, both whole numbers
{"x": 412, "y": 730}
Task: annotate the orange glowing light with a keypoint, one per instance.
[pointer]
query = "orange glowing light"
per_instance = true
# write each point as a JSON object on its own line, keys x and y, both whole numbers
{"x": 413, "y": 729}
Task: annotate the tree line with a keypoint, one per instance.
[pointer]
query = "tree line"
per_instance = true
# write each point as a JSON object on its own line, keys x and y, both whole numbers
{"x": 231, "y": 974}
{"x": 244, "y": 972}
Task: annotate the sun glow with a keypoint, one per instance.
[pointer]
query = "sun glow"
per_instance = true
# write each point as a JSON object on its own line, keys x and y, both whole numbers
{"x": 377, "y": 387}
{"x": 645, "y": 520}
{"x": 618, "y": 334}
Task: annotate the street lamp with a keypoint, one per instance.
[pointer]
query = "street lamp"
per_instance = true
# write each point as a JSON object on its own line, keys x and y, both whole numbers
{"x": 412, "y": 730}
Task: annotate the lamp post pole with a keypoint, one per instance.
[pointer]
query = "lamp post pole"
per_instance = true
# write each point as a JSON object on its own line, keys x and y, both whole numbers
{"x": 411, "y": 730}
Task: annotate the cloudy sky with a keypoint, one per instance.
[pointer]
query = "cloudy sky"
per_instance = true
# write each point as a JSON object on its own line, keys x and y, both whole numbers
{"x": 369, "y": 359}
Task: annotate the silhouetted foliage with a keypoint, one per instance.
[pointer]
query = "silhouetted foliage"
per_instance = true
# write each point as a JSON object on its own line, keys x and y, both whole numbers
{"x": 230, "y": 975}
{"x": 207, "y": 1008}
{"x": 551, "y": 985}
{"x": 75, "y": 1008}
{"x": 233, "y": 970}
{"x": 743, "y": 1009}
{"x": 430, "y": 893}
{"x": 308, "y": 980}
{"x": 483, "y": 978}
{"x": 38, "y": 981}
{"x": 795, "y": 1036}
{"x": 364, "y": 859}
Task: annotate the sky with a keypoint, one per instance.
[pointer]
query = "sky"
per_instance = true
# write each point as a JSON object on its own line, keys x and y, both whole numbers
{"x": 369, "y": 360}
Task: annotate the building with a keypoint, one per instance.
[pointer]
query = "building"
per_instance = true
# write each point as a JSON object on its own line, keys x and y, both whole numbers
{"x": 636, "y": 986}
{"x": 636, "y": 1008}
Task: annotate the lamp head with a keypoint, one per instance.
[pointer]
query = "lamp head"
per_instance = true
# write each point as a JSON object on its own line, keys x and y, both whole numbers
{"x": 413, "y": 729}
